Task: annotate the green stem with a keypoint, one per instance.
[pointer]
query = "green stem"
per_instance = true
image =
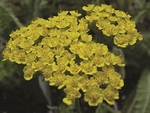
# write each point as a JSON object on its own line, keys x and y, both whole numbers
{"x": 36, "y": 8}
{"x": 78, "y": 106}
{"x": 125, "y": 5}
{"x": 116, "y": 1}
{"x": 108, "y": 108}
{"x": 12, "y": 15}
{"x": 98, "y": 2}
{"x": 15, "y": 19}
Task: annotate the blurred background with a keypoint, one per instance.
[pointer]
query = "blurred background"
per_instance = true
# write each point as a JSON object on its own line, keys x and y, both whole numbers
{"x": 20, "y": 96}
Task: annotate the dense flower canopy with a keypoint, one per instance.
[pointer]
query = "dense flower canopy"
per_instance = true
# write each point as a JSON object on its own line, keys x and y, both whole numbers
{"x": 64, "y": 51}
{"x": 113, "y": 23}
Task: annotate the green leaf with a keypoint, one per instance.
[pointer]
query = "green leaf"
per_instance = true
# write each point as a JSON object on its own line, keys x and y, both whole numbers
{"x": 104, "y": 108}
{"x": 66, "y": 109}
{"x": 44, "y": 85}
{"x": 141, "y": 101}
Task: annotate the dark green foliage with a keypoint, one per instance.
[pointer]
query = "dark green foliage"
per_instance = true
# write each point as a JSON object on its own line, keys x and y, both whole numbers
{"x": 7, "y": 77}
{"x": 104, "y": 108}
{"x": 62, "y": 108}
{"x": 6, "y": 23}
{"x": 141, "y": 101}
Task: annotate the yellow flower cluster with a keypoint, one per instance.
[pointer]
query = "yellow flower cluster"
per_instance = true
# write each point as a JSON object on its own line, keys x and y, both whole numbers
{"x": 113, "y": 23}
{"x": 62, "y": 49}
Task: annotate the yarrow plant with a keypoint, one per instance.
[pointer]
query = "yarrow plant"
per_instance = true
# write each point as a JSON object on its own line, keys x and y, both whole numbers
{"x": 63, "y": 50}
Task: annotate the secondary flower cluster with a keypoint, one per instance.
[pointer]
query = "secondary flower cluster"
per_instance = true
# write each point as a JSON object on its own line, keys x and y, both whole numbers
{"x": 64, "y": 51}
{"x": 113, "y": 23}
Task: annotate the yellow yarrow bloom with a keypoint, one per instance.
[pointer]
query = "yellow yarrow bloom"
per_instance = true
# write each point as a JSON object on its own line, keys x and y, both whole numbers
{"x": 88, "y": 67}
{"x": 73, "y": 81}
{"x": 88, "y": 8}
{"x": 87, "y": 83}
{"x": 28, "y": 72}
{"x": 74, "y": 68}
{"x": 71, "y": 95}
{"x": 57, "y": 80}
{"x": 71, "y": 57}
{"x": 113, "y": 23}
{"x": 93, "y": 96}
{"x": 47, "y": 71}
{"x": 110, "y": 94}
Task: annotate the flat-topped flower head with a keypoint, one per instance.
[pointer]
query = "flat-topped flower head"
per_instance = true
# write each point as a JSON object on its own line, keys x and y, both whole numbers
{"x": 64, "y": 49}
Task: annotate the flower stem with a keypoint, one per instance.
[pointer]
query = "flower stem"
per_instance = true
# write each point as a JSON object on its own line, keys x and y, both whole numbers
{"x": 77, "y": 104}
{"x": 14, "y": 18}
